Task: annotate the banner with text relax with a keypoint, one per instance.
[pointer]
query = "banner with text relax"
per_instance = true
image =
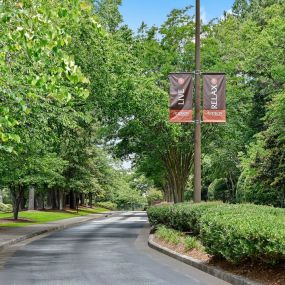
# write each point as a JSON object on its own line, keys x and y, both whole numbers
{"x": 214, "y": 98}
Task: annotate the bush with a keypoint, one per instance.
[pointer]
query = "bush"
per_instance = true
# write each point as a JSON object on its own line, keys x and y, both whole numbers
{"x": 235, "y": 232}
{"x": 154, "y": 196}
{"x": 159, "y": 215}
{"x": 107, "y": 205}
{"x": 218, "y": 190}
{"x": 254, "y": 233}
{"x": 5, "y": 208}
{"x": 183, "y": 217}
{"x": 129, "y": 199}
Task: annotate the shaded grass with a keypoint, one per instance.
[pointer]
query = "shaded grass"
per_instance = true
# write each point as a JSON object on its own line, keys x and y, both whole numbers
{"x": 41, "y": 217}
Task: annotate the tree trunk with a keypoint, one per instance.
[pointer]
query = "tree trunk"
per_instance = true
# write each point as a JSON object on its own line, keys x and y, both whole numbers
{"x": 77, "y": 202}
{"x": 82, "y": 199}
{"x": 31, "y": 198}
{"x": 1, "y": 196}
{"x": 16, "y": 210}
{"x": 178, "y": 165}
{"x": 72, "y": 202}
{"x": 90, "y": 196}
{"x": 61, "y": 198}
{"x": 22, "y": 205}
{"x": 55, "y": 204}
{"x": 49, "y": 199}
{"x": 17, "y": 195}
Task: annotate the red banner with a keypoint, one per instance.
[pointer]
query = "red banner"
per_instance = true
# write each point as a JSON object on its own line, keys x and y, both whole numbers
{"x": 214, "y": 98}
{"x": 181, "y": 101}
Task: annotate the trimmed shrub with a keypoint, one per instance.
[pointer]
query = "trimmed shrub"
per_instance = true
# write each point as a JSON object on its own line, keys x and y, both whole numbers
{"x": 159, "y": 215}
{"x": 245, "y": 233}
{"x": 183, "y": 217}
{"x": 235, "y": 232}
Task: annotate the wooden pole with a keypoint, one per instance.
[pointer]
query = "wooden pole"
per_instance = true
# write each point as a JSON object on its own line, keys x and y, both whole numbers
{"x": 197, "y": 156}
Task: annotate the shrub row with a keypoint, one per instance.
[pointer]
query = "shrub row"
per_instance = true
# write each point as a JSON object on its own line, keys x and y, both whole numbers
{"x": 235, "y": 232}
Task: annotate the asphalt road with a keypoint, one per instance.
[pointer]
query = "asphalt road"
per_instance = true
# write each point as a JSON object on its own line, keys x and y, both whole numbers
{"x": 110, "y": 251}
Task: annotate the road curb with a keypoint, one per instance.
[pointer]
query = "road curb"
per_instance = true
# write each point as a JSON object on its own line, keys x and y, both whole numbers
{"x": 217, "y": 272}
{"x": 49, "y": 230}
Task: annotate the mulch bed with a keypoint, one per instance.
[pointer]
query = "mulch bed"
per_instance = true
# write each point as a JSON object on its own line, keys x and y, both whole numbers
{"x": 259, "y": 272}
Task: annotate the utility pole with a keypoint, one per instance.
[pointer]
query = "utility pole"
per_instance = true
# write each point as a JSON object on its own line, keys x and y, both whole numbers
{"x": 197, "y": 155}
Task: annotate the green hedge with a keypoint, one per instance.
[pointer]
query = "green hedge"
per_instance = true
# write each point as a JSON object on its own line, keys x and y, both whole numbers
{"x": 235, "y": 232}
{"x": 183, "y": 217}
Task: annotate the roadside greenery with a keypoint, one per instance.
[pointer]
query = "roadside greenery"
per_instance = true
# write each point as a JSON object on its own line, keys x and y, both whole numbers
{"x": 107, "y": 205}
{"x": 175, "y": 237}
{"x": 235, "y": 232}
{"x": 154, "y": 196}
{"x": 80, "y": 90}
{"x": 56, "y": 61}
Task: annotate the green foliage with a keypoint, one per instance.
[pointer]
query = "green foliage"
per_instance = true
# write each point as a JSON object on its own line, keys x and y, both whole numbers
{"x": 35, "y": 63}
{"x": 107, "y": 205}
{"x": 191, "y": 243}
{"x": 182, "y": 217}
{"x": 175, "y": 237}
{"x": 262, "y": 179}
{"x": 169, "y": 235}
{"x": 74, "y": 81}
{"x": 129, "y": 199}
{"x": 245, "y": 232}
{"x": 235, "y": 232}
{"x": 5, "y": 208}
{"x": 217, "y": 190}
{"x": 154, "y": 195}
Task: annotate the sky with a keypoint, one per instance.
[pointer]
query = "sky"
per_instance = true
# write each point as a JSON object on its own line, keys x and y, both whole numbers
{"x": 154, "y": 12}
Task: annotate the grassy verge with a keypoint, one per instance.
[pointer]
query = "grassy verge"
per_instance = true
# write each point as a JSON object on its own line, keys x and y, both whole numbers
{"x": 176, "y": 238}
{"x": 41, "y": 217}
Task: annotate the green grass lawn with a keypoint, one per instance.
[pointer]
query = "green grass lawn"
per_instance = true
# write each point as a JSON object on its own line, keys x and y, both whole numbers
{"x": 40, "y": 217}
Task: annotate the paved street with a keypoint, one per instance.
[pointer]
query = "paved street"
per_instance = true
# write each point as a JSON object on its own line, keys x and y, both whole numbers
{"x": 106, "y": 251}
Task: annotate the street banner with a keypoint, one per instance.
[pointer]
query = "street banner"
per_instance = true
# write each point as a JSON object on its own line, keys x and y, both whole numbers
{"x": 214, "y": 98}
{"x": 181, "y": 93}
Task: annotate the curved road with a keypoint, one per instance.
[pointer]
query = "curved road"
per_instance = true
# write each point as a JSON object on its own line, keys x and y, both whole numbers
{"x": 107, "y": 251}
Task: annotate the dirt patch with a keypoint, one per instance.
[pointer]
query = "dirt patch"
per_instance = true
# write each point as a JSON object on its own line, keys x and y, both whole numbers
{"x": 262, "y": 273}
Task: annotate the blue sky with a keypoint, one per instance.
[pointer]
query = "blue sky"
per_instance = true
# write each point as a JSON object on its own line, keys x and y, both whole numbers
{"x": 154, "y": 12}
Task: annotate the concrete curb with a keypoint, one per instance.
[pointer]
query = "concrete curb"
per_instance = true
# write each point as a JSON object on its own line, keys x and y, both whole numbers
{"x": 51, "y": 229}
{"x": 217, "y": 272}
